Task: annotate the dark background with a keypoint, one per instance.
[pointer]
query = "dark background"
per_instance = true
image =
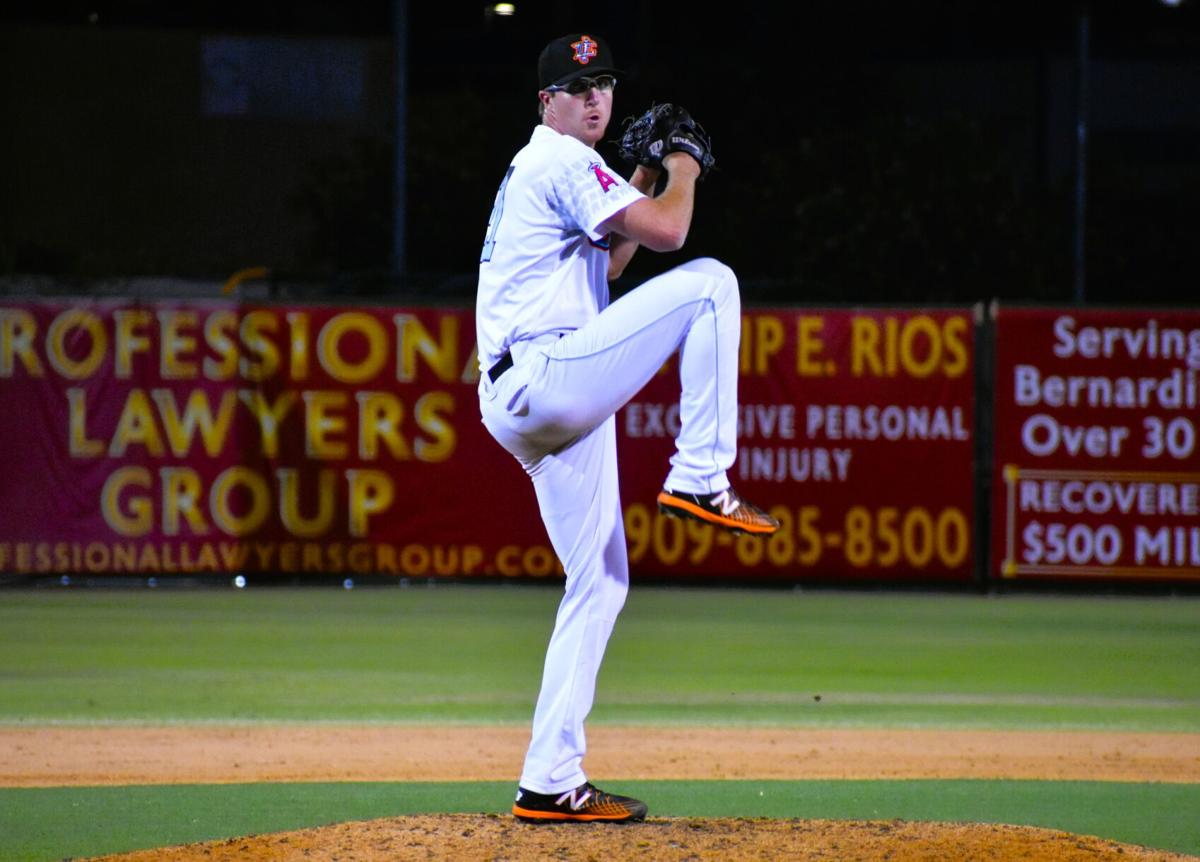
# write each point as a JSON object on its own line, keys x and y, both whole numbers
{"x": 867, "y": 152}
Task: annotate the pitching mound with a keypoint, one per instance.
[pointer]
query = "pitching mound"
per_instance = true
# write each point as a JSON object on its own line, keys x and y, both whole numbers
{"x": 496, "y": 838}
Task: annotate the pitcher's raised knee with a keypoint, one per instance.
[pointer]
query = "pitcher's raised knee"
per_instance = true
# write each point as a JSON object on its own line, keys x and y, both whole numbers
{"x": 711, "y": 267}
{"x": 722, "y": 278}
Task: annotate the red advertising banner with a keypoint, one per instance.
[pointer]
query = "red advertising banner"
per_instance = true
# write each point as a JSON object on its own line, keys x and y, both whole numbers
{"x": 205, "y": 438}
{"x": 1097, "y": 473}
{"x": 214, "y": 437}
{"x": 856, "y": 431}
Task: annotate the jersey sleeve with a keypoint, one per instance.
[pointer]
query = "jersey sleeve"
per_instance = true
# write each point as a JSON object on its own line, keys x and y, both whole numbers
{"x": 590, "y": 192}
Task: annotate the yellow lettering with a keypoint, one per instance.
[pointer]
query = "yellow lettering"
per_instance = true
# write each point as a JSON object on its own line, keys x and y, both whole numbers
{"x": 809, "y": 346}
{"x": 269, "y": 416}
{"x": 139, "y": 517}
{"x": 768, "y": 340}
{"x": 472, "y": 559}
{"x": 80, "y": 445}
{"x": 380, "y": 414}
{"x": 912, "y": 330}
{"x": 207, "y": 559}
{"x": 128, "y": 340}
{"x": 414, "y": 559}
{"x": 197, "y": 414}
{"x": 97, "y": 557}
{"x": 412, "y": 338}
{"x": 334, "y": 556}
{"x": 125, "y": 557}
{"x": 181, "y": 492}
{"x": 265, "y": 554}
{"x": 148, "y": 560}
{"x": 918, "y": 347}
{"x": 289, "y": 503}
{"x": 954, "y": 330}
{"x": 173, "y": 342}
{"x": 470, "y": 374}
{"x": 17, "y": 331}
{"x": 289, "y": 555}
{"x": 330, "y": 355}
{"x": 219, "y": 329}
{"x": 508, "y": 561}
{"x": 56, "y": 343}
{"x": 234, "y": 555}
{"x": 864, "y": 347}
{"x": 320, "y": 425}
{"x": 435, "y": 425}
{"x": 298, "y": 327}
{"x": 371, "y": 492}
{"x": 136, "y": 426}
{"x": 385, "y": 559}
{"x": 360, "y": 558}
{"x": 222, "y": 510}
{"x": 253, "y": 327}
{"x": 891, "y": 326}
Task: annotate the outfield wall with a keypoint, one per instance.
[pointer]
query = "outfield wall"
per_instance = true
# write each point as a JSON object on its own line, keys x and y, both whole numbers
{"x": 219, "y": 438}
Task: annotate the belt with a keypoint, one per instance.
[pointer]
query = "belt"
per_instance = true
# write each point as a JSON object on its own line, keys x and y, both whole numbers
{"x": 500, "y": 367}
{"x": 505, "y": 362}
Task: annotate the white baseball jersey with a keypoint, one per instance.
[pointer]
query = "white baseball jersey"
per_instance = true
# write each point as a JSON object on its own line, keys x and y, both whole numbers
{"x": 543, "y": 265}
{"x": 543, "y": 270}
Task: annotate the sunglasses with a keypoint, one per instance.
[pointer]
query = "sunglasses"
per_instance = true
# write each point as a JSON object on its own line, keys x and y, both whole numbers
{"x": 581, "y": 85}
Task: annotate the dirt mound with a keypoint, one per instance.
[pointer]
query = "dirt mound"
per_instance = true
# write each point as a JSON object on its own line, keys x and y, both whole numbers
{"x": 463, "y": 837}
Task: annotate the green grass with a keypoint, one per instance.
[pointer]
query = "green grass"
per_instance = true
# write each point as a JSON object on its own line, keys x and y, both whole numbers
{"x": 457, "y": 654}
{"x": 44, "y": 824}
{"x": 682, "y": 656}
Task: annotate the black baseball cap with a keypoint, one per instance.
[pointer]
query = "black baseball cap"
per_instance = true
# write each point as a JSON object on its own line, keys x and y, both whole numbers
{"x": 574, "y": 56}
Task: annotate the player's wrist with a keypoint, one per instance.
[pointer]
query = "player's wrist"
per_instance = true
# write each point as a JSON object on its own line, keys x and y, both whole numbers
{"x": 679, "y": 163}
{"x": 645, "y": 178}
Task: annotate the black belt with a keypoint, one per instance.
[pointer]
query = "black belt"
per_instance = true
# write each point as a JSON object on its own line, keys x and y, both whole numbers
{"x": 500, "y": 367}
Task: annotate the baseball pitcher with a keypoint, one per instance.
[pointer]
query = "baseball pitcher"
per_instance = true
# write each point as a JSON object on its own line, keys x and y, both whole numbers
{"x": 557, "y": 362}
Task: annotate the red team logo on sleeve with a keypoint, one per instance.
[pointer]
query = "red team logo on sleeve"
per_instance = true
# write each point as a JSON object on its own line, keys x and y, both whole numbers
{"x": 605, "y": 180}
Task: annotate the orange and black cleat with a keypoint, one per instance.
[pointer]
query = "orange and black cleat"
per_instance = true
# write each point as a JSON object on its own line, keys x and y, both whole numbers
{"x": 584, "y": 803}
{"x": 726, "y": 510}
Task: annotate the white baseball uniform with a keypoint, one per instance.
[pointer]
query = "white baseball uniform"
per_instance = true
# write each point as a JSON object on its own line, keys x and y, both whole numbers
{"x": 543, "y": 298}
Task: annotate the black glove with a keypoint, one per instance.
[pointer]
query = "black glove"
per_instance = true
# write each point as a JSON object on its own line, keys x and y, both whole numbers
{"x": 665, "y": 129}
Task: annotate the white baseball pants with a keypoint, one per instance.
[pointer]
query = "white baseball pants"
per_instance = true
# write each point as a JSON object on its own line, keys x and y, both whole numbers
{"x": 554, "y": 410}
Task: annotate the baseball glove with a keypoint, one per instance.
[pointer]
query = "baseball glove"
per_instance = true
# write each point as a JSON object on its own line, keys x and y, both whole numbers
{"x": 664, "y": 129}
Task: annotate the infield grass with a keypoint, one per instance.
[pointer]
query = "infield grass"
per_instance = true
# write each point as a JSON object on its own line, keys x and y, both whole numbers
{"x": 46, "y": 824}
{"x": 473, "y": 654}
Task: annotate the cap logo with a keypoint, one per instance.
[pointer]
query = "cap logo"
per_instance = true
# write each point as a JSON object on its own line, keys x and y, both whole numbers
{"x": 585, "y": 49}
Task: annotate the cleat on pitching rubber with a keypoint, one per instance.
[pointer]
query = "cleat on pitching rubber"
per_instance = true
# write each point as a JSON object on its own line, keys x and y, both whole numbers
{"x": 585, "y": 803}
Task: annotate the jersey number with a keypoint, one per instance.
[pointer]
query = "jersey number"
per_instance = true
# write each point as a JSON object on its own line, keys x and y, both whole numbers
{"x": 489, "y": 241}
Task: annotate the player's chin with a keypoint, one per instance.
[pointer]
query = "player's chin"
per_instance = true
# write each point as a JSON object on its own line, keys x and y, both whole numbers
{"x": 593, "y": 130}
